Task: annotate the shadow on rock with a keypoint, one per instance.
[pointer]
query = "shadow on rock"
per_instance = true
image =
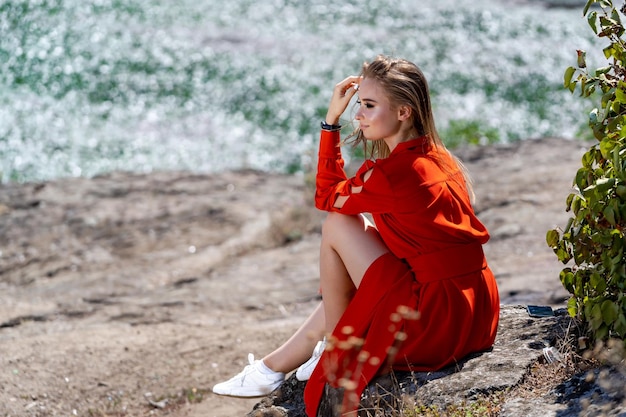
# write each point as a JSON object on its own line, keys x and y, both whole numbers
{"x": 520, "y": 343}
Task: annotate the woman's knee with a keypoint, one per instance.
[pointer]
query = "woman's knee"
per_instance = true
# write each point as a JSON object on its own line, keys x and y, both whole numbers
{"x": 355, "y": 231}
{"x": 337, "y": 223}
{"x": 335, "y": 227}
{"x": 354, "y": 240}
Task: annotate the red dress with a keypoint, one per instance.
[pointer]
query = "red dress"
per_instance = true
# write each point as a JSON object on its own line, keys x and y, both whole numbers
{"x": 436, "y": 267}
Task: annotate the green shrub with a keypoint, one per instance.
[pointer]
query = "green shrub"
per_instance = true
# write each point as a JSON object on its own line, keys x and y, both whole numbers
{"x": 473, "y": 132}
{"x": 594, "y": 236}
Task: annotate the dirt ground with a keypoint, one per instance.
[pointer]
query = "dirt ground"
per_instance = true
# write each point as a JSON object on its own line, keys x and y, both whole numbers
{"x": 131, "y": 295}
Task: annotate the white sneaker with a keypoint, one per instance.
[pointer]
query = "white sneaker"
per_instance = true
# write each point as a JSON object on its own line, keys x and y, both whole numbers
{"x": 256, "y": 380}
{"x": 306, "y": 369}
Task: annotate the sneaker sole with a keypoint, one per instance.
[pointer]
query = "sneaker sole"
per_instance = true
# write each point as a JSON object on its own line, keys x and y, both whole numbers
{"x": 244, "y": 396}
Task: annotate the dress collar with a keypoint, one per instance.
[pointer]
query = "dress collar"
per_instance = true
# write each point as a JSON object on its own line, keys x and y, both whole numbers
{"x": 421, "y": 144}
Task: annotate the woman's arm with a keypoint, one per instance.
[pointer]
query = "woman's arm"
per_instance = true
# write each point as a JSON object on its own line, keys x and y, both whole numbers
{"x": 341, "y": 199}
{"x": 333, "y": 187}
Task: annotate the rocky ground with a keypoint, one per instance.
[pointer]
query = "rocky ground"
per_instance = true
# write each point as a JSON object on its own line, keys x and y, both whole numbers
{"x": 133, "y": 294}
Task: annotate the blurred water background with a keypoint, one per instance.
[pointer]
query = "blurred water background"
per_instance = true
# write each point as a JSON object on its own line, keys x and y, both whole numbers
{"x": 91, "y": 86}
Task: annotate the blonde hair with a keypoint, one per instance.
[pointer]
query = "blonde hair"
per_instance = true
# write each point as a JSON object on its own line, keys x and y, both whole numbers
{"x": 404, "y": 84}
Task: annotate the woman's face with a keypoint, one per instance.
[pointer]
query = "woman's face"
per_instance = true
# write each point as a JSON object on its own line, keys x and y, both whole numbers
{"x": 377, "y": 118}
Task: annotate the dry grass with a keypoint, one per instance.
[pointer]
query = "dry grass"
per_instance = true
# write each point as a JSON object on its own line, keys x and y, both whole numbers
{"x": 541, "y": 380}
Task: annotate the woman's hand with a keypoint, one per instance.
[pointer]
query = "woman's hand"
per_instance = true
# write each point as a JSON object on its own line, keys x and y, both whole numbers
{"x": 342, "y": 94}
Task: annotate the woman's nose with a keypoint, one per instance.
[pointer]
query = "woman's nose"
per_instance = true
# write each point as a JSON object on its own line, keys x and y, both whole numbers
{"x": 359, "y": 114}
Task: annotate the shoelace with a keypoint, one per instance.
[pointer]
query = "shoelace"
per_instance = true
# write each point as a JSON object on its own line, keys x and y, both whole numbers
{"x": 246, "y": 370}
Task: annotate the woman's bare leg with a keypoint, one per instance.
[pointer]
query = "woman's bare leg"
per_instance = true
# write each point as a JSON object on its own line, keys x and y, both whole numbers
{"x": 297, "y": 349}
{"x": 349, "y": 246}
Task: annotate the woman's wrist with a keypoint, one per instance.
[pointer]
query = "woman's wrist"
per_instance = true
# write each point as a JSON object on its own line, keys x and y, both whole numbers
{"x": 332, "y": 119}
{"x": 331, "y": 127}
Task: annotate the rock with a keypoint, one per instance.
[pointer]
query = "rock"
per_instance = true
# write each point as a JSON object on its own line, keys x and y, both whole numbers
{"x": 519, "y": 344}
{"x": 597, "y": 392}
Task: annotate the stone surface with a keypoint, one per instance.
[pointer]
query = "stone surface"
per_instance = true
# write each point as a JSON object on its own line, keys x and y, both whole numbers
{"x": 598, "y": 392}
{"x": 519, "y": 344}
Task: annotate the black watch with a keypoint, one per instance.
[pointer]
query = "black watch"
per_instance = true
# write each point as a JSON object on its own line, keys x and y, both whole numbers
{"x": 331, "y": 128}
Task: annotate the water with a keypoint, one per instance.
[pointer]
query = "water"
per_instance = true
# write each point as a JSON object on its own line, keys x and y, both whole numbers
{"x": 87, "y": 87}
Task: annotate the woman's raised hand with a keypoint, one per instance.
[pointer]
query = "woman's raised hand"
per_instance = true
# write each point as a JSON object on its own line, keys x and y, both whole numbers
{"x": 342, "y": 93}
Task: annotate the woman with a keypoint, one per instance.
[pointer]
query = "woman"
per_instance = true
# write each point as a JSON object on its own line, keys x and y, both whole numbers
{"x": 413, "y": 291}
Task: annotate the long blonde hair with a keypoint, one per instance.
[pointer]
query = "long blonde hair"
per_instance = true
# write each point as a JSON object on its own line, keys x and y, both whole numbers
{"x": 404, "y": 84}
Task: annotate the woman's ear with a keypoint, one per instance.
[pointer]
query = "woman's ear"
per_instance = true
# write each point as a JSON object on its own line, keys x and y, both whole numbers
{"x": 404, "y": 113}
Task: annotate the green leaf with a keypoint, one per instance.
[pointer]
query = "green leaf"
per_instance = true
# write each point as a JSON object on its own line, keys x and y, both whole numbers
{"x": 615, "y": 17}
{"x": 592, "y": 20}
{"x": 587, "y": 308}
{"x": 583, "y": 85}
{"x": 563, "y": 255}
{"x": 587, "y": 6}
{"x": 588, "y": 157}
{"x": 620, "y": 325}
{"x": 616, "y": 158}
{"x": 601, "y": 333}
{"x": 608, "y": 96}
{"x": 607, "y": 24}
{"x": 588, "y": 193}
{"x": 567, "y": 279}
{"x": 595, "y": 319}
{"x": 616, "y": 262}
{"x": 605, "y": 184}
{"x": 622, "y": 212}
{"x": 581, "y": 178}
{"x": 606, "y": 146}
{"x": 567, "y": 77}
{"x": 568, "y": 201}
{"x": 609, "y": 215}
{"x": 598, "y": 131}
{"x": 572, "y": 307}
{"x": 552, "y": 238}
{"x": 609, "y": 312}
{"x": 606, "y": 3}
{"x": 576, "y": 202}
{"x": 613, "y": 124}
{"x": 597, "y": 282}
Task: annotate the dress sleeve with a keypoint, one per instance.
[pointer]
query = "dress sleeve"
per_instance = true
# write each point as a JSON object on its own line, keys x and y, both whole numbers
{"x": 331, "y": 179}
{"x": 331, "y": 182}
{"x": 377, "y": 194}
